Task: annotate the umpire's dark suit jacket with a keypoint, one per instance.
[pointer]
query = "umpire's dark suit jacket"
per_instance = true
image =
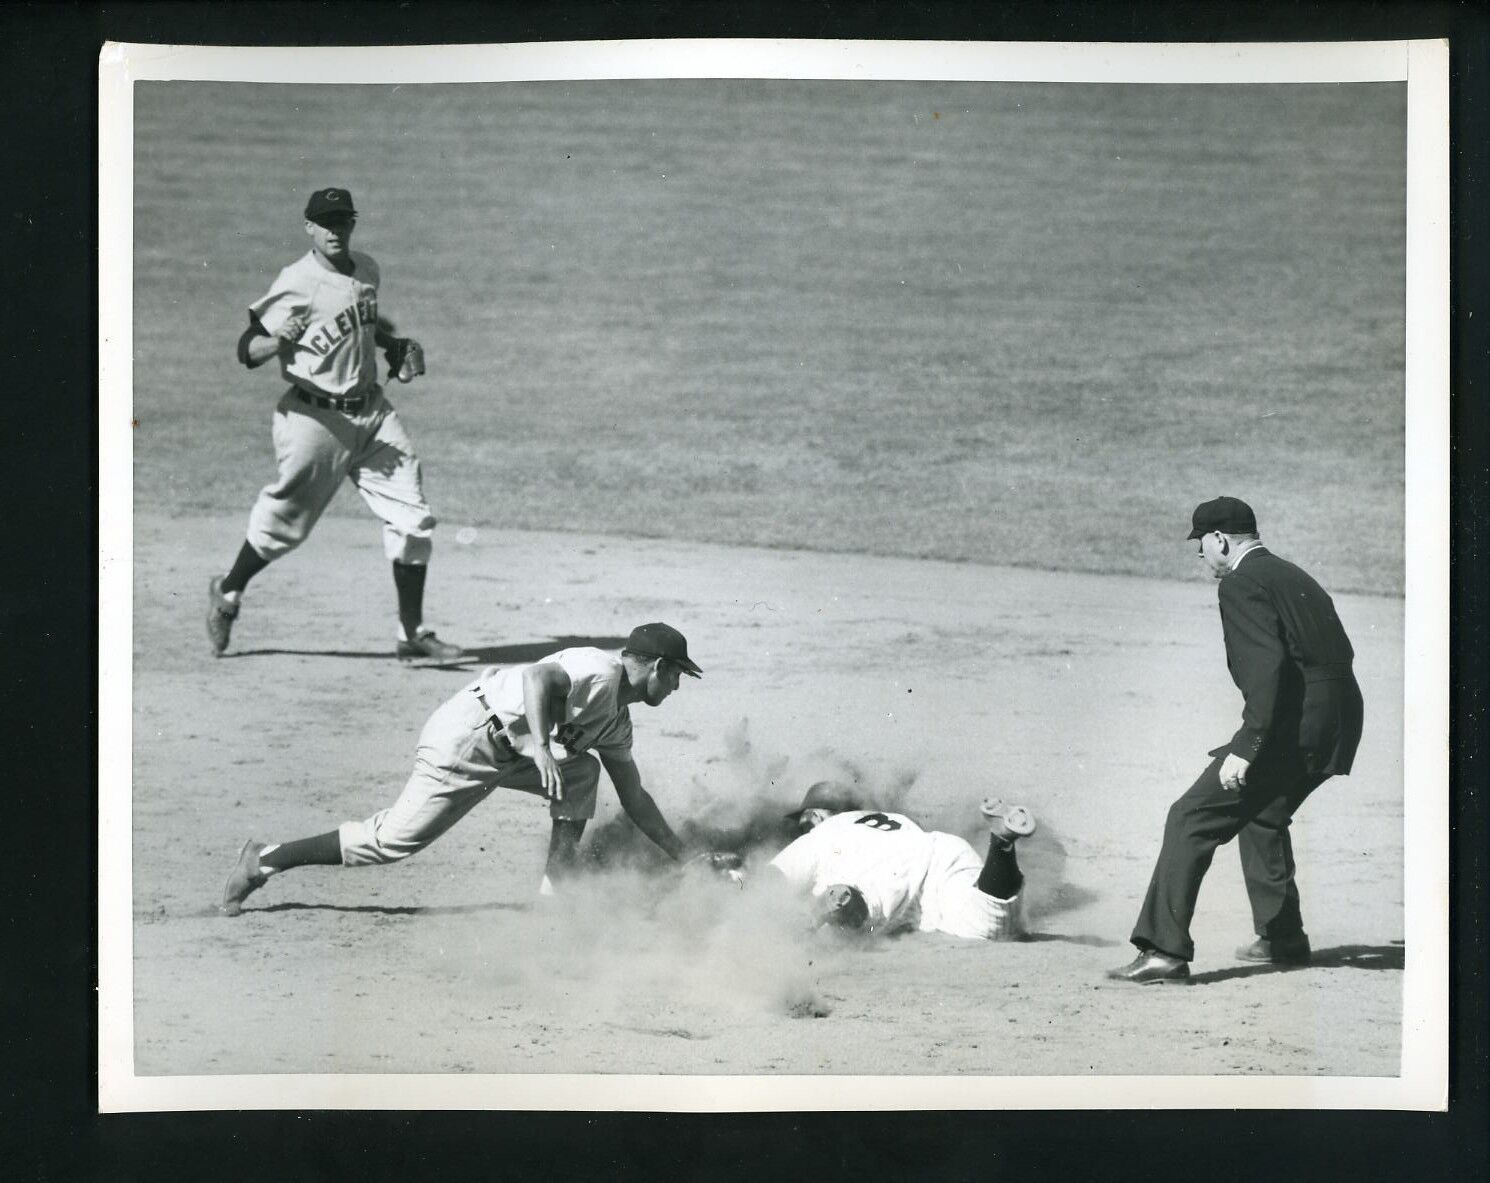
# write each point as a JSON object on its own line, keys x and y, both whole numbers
{"x": 1301, "y": 723}
{"x": 1291, "y": 659}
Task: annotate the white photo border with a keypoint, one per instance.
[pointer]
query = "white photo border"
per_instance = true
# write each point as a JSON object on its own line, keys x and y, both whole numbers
{"x": 1422, "y": 64}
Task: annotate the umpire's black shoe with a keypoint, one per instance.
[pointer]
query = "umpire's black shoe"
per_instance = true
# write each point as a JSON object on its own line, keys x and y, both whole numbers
{"x": 1278, "y": 951}
{"x": 1152, "y": 966}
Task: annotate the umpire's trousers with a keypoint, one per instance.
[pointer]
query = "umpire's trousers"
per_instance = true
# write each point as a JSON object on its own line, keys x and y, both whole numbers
{"x": 1208, "y": 816}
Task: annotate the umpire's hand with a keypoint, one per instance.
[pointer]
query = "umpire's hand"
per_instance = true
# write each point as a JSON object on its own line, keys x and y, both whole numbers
{"x": 1233, "y": 772}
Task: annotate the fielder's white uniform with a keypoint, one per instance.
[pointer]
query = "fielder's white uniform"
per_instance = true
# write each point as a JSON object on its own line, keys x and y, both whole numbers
{"x": 333, "y": 422}
{"x": 910, "y": 878}
{"x": 479, "y": 741}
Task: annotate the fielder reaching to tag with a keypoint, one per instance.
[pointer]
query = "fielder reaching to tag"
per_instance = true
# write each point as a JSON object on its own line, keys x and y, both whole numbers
{"x": 320, "y": 321}
{"x": 879, "y": 872}
{"x": 529, "y": 728}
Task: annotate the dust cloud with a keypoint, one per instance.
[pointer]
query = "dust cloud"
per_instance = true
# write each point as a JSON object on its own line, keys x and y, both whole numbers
{"x": 636, "y": 941}
{"x": 633, "y": 931}
{"x": 738, "y": 801}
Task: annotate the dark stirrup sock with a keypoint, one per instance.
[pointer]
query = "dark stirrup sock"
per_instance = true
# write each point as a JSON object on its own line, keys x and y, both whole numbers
{"x": 408, "y": 581}
{"x": 563, "y": 847}
{"x": 1001, "y": 877}
{"x": 248, "y": 564}
{"x": 324, "y": 850}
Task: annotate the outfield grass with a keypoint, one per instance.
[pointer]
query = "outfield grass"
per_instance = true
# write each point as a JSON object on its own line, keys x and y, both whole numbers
{"x": 1025, "y": 324}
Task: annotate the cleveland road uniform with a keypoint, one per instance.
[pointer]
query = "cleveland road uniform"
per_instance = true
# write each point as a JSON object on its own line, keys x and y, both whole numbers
{"x": 1301, "y": 723}
{"x": 483, "y": 738}
{"x": 320, "y": 319}
{"x": 909, "y": 879}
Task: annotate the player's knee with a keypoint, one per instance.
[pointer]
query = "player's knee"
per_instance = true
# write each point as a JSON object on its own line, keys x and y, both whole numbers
{"x": 414, "y": 549}
{"x": 392, "y": 849}
{"x": 273, "y": 532}
{"x": 369, "y": 843}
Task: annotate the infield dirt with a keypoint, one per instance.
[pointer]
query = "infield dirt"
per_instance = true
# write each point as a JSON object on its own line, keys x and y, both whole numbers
{"x": 1092, "y": 699}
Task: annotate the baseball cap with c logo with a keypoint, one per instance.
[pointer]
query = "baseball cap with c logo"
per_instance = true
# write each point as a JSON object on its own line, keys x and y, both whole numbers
{"x": 329, "y": 201}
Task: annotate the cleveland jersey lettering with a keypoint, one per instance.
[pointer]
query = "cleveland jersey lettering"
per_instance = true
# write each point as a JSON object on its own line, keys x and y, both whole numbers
{"x": 321, "y": 339}
{"x": 337, "y": 353}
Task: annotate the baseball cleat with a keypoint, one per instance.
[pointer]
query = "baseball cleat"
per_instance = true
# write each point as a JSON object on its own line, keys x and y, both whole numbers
{"x": 427, "y": 647}
{"x": 1151, "y": 966}
{"x": 221, "y": 612}
{"x": 1282, "y": 951}
{"x": 245, "y": 879}
{"x": 1008, "y": 822}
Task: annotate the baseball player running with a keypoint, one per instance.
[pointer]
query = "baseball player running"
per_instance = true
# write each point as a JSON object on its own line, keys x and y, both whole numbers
{"x": 882, "y": 873}
{"x": 320, "y": 321}
{"x": 527, "y": 727}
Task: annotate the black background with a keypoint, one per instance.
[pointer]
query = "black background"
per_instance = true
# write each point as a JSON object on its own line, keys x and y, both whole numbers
{"x": 49, "y": 1127}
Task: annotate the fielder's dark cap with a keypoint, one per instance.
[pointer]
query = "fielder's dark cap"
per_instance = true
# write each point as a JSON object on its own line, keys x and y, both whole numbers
{"x": 829, "y": 795}
{"x": 329, "y": 201}
{"x": 662, "y": 640}
{"x": 1230, "y": 515}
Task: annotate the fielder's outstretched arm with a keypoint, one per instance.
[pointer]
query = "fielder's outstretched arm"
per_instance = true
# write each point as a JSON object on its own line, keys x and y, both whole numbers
{"x": 639, "y": 806}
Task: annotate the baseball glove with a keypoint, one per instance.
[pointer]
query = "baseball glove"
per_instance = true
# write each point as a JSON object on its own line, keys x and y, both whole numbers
{"x": 405, "y": 359}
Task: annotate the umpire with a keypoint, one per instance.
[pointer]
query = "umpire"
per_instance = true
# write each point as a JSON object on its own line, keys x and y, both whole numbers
{"x": 1301, "y": 722}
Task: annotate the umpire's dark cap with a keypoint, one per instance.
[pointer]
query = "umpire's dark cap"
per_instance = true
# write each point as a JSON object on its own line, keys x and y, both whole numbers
{"x": 662, "y": 640}
{"x": 329, "y": 201}
{"x": 829, "y": 795}
{"x": 1230, "y": 515}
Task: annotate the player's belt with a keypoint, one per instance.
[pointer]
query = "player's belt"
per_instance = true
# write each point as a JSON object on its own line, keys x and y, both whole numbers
{"x": 350, "y": 403}
{"x": 504, "y": 745}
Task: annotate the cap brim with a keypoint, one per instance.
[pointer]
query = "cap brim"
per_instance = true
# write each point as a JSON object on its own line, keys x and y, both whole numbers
{"x": 1195, "y": 533}
{"x": 683, "y": 663}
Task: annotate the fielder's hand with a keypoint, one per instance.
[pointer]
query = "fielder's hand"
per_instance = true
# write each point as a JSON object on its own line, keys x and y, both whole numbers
{"x": 721, "y": 862}
{"x": 405, "y": 359}
{"x": 548, "y": 773}
{"x": 1234, "y": 773}
{"x": 292, "y": 330}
